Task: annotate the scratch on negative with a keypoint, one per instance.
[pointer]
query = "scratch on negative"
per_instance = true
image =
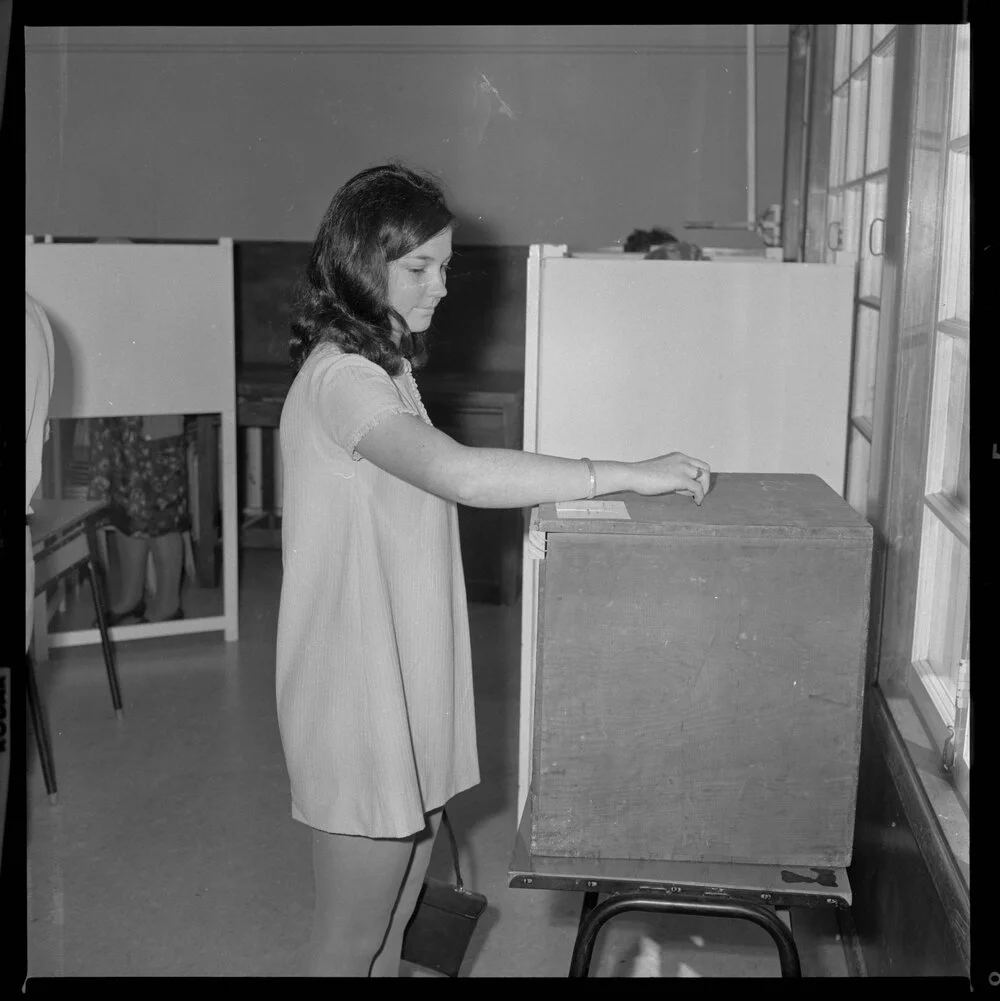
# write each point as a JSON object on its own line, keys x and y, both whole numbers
{"x": 63, "y": 89}
{"x": 487, "y": 88}
{"x": 704, "y": 660}
{"x": 836, "y": 702}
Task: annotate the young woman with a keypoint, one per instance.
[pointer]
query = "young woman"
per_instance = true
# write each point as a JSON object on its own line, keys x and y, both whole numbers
{"x": 374, "y": 681}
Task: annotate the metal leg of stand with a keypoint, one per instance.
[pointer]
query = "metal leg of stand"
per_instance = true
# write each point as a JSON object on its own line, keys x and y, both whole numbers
{"x": 590, "y": 900}
{"x": 593, "y": 918}
{"x": 41, "y": 730}
{"x": 96, "y": 575}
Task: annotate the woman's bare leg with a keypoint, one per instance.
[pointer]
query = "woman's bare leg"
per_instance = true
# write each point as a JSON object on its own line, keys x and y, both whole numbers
{"x": 132, "y": 555}
{"x": 168, "y": 562}
{"x": 387, "y": 964}
{"x": 357, "y": 885}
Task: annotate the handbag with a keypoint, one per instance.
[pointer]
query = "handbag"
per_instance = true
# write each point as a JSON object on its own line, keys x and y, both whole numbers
{"x": 444, "y": 919}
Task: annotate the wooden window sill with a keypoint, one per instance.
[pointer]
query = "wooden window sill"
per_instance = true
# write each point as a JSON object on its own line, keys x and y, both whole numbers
{"x": 944, "y": 801}
{"x": 934, "y": 814}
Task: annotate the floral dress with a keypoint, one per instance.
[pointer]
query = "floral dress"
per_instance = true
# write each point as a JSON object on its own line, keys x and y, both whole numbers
{"x": 143, "y": 479}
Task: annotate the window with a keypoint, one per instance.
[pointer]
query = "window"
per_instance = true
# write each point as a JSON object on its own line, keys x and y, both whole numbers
{"x": 923, "y": 475}
{"x": 938, "y": 680}
{"x": 864, "y": 56}
{"x": 889, "y": 185}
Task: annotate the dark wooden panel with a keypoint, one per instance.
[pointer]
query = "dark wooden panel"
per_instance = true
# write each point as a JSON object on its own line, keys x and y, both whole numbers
{"x": 477, "y": 428}
{"x": 265, "y": 275}
{"x": 479, "y": 327}
{"x": 491, "y": 549}
{"x": 482, "y": 410}
{"x": 480, "y": 388}
{"x": 207, "y": 547}
{"x": 905, "y": 928}
{"x": 256, "y": 537}
{"x": 262, "y": 413}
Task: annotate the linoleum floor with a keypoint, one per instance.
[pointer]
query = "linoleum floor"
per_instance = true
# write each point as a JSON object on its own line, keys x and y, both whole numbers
{"x": 171, "y": 850}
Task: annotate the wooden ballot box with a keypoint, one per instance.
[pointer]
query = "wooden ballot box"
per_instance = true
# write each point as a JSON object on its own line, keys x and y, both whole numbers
{"x": 699, "y": 674}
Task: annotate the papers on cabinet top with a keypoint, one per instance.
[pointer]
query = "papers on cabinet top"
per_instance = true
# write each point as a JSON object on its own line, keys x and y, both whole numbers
{"x": 593, "y": 509}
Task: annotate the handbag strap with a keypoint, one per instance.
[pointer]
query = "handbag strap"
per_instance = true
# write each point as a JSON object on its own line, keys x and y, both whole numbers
{"x": 454, "y": 848}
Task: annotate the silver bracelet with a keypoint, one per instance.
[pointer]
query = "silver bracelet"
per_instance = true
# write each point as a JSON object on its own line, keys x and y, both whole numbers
{"x": 593, "y": 479}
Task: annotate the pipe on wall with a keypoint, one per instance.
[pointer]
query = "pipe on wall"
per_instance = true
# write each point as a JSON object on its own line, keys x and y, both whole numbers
{"x": 751, "y": 126}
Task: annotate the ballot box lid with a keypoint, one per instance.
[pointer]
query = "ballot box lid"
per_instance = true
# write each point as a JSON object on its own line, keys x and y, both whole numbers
{"x": 747, "y": 505}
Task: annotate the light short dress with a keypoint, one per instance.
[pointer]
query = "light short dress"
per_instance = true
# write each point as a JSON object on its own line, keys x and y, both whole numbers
{"x": 374, "y": 669}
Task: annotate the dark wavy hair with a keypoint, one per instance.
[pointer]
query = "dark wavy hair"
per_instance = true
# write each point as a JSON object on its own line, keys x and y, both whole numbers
{"x": 378, "y": 216}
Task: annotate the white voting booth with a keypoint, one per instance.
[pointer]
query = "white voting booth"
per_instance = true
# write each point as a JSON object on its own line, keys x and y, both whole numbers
{"x": 145, "y": 329}
{"x": 742, "y": 363}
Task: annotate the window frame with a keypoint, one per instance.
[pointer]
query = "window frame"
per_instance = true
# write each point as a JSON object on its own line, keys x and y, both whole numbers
{"x": 905, "y": 349}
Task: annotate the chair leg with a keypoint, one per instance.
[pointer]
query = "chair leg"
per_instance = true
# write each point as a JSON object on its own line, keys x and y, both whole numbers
{"x": 40, "y": 635}
{"x": 645, "y": 900}
{"x": 590, "y": 901}
{"x": 41, "y": 730}
{"x": 98, "y": 591}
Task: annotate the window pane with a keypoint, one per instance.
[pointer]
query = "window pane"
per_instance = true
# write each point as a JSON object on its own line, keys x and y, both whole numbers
{"x": 860, "y": 44}
{"x": 857, "y": 126}
{"x": 842, "y": 57}
{"x": 865, "y": 353}
{"x": 947, "y": 454}
{"x": 962, "y": 479}
{"x": 924, "y": 212}
{"x": 834, "y": 228}
{"x": 852, "y": 219}
{"x": 960, "y": 92}
{"x": 879, "y": 31}
{"x": 955, "y": 265}
{"x": 963, "y": 718}
{"x": 877, "y": 156}
{"x": 966, "y": 744}
{"x": 838, "y": 138}
{"x": 858, "y": 457}
{"x": 873, "y": 238}
{"x": 942, "y": 602}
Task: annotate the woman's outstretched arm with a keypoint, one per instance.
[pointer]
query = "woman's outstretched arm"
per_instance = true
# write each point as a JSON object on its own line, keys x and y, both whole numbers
{"x": 414, "y": 451}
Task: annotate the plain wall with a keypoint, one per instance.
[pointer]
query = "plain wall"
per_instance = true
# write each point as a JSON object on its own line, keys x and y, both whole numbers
{"x": 561, "y": 134}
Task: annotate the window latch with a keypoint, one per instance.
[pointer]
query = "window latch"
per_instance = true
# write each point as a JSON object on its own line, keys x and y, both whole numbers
{"x": 948, "y": 753}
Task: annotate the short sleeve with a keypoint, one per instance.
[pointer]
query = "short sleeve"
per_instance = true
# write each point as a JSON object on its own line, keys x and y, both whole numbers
{"x": 355, "y": 395}
{"x": 38, "y": 379}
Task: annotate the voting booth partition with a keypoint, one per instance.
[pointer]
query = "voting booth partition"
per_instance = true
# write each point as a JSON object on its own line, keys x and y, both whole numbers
{"x": 692, "y": 677}
{"x": 145, "y": 329}
{"x": 745, "y": 364}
